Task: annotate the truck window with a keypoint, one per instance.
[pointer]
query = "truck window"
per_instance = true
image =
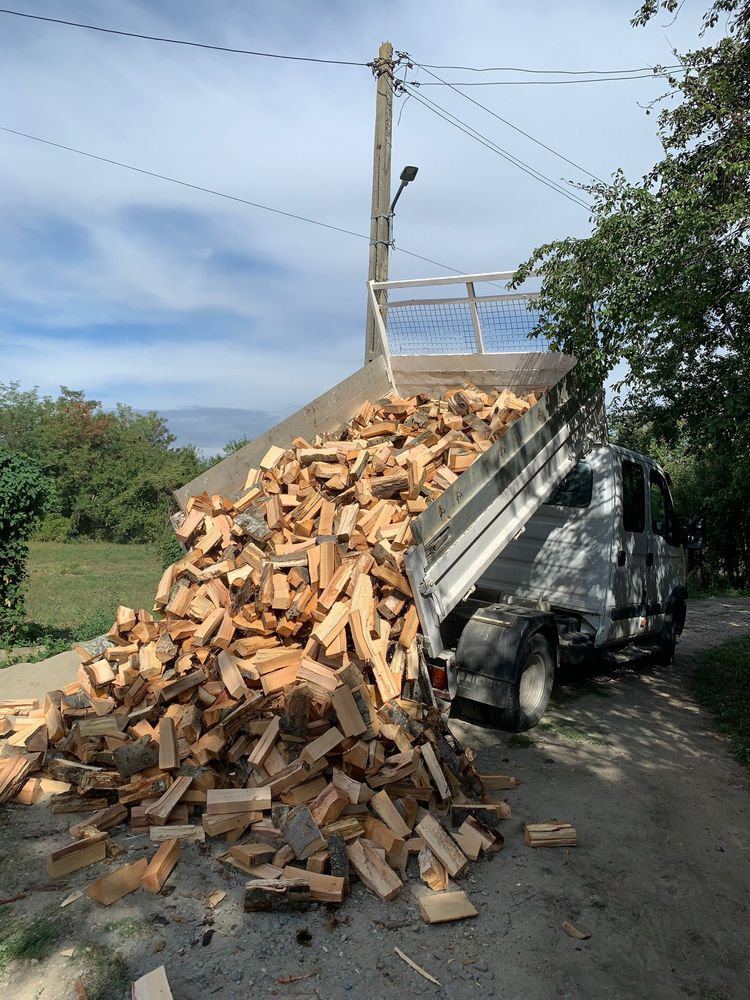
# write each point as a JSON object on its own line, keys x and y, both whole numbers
{"x": 575, "y": 489}
{"x": 663, "y": 520}
{"x": 633, "y": 497}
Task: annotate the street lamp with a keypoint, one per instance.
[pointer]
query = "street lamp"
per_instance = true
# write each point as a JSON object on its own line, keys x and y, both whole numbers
{"x": 407, "y": 176}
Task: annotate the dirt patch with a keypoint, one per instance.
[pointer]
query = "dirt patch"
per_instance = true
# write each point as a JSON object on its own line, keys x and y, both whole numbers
{"x": 661, "y": 878}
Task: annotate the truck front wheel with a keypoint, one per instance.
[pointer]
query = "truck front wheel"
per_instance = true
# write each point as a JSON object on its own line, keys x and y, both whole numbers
{"x": 530, "y": 694}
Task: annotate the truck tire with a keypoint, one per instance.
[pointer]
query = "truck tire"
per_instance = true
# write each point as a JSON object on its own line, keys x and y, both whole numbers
{"x": 531, "y": 693}
{"x": 667, "y": 638}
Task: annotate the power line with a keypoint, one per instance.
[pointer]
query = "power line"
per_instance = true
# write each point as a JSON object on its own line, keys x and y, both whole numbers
{"x": 462, "y": 126}
{"x": 180, "y": 41}
{"x": 548, "y": 72}
{"x": 511, "y": 125}
{"x": 545, "y": 83}
{"x": 217, "y": 194}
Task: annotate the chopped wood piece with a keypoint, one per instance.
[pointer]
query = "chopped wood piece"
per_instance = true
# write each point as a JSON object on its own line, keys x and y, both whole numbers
{"x": 237, "y": 800}
{"x": 436, "y": 773}
{"x": 497, "y": 782}
{"x": 324, "y": 744}
{"x": 265, "y": 744}
{"x": 382, "y": 804}
{"x": 328, "y": 805}
{"x": 323, "y": 888}
{"x": 550, "y": 835}
{"x": 347, "y": 712}
{"x": 153, "y": 986}
{"x": 302, "y": 833}
{"x": 75, "y": 856}
{"x": 446, "y": 906}
{"x": 442, "y": 845}
{"x": 159, "y": 812}
{"x": 253, "y": 854}
{"x": 169, "y": 757}
{"x": 158, "y": 834}
{"x": 431, "y": 871}
{"x": 572, "y": 931}
{"x": 119, "y": 883}
{"x": 104, "y": 819}
{"x": 160, "y": 866}
{"x": 379, "y": 877}
{"x": 281, "y": 895}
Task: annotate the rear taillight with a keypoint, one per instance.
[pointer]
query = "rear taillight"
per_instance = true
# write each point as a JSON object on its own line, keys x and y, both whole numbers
{"x": 439, "y": 678}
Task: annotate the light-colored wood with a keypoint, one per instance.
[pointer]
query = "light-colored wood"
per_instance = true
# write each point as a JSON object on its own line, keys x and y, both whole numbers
{"x": 324, "y": 744}
{"x": 153, "y": 986}
{"x": 436, "y": 772}
{"x": 431, "y": 870}
{"x": 81, "y": 854}
{"x": 231, "y": 675}
{"x": 169, "y": 757}
{"x": 158, "y": 834}
{"x": 161, "y": 864}
{"x": 417, "y": 968}
{"x": 497, "y": 782}
{"x": 119, "y": 883}
{"x": 550, "y": 835}
{"x": 383, "y": 806}
{"x": 378, "y": 876}
{"x": 442, "y": 845}
{"x": 443, "y": 907}
{"x": 159, "y": 812}
{"x": 103, "y": 819}
{"x": 349, "y": 716}
{"x": 323, "y": 888}
{"x": 265, "y": 744}
{"x": 236, "y": 800}
{"x": 223, "y": 823}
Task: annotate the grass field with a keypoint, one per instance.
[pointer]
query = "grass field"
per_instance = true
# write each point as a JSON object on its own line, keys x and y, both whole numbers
{"x": 76, "y": 587}
{"x": 722, "y": 683}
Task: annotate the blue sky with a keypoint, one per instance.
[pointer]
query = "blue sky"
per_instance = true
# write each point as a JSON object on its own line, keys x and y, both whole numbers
{"x": 224, "y": 317}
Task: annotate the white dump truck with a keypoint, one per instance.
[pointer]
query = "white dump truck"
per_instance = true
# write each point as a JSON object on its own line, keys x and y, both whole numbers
{"x": 553, "y": 545}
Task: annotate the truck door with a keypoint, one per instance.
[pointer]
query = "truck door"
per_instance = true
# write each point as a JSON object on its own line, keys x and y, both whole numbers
{"x": 630, "y": 553}
{"x": 665, "y": 558}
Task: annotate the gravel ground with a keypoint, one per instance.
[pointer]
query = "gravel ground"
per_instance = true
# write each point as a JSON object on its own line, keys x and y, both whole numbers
{"x": 660, "y": 879}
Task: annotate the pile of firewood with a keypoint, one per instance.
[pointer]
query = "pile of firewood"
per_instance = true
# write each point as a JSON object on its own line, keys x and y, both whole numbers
{"x": 279, "y": 699}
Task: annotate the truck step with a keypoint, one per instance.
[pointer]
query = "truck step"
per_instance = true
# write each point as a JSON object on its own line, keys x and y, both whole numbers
{"x": 629, "y": 654}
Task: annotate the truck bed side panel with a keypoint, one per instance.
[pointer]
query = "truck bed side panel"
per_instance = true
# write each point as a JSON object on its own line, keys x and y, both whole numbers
{"x": 563, "y": 555}
{"x": 459, "y": 535}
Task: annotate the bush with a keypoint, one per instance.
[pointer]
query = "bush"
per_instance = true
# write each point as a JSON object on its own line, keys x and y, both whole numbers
{"x": 54, "y": 528}
{"x": 168, "y": 547}
{"x": 24, "y": 495}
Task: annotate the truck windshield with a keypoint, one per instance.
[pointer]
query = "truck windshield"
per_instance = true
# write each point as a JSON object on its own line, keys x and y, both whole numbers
{"x": 575, "y": 489}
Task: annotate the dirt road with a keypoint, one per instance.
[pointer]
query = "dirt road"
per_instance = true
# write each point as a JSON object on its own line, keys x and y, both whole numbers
{"x": 661, "y": 879}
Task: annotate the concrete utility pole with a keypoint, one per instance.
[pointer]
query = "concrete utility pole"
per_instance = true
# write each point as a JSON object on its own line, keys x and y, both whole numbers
{"x": 380, "y": 226}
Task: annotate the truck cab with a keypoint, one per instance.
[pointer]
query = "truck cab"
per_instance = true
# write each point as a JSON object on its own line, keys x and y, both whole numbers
{"x": 605, "y": 548}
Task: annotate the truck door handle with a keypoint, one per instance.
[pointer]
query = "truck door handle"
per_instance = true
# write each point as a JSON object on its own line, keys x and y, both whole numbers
{"x": 621, "y": 557}
{"x": 650, "y": 559}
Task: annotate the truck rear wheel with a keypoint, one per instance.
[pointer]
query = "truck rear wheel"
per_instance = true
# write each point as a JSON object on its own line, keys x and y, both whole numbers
{"x": 531, "y": 693}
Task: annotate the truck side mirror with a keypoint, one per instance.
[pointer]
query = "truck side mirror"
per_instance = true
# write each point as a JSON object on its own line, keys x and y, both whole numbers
{"x": 694, "y": 532}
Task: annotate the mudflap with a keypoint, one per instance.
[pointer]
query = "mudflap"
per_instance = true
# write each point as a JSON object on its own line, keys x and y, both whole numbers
{"x": 488, "y": 656}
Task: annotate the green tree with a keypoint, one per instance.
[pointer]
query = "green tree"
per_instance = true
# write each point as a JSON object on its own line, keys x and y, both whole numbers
{"x": 662, "y": 285}
{"x": 24, "y": 494}
{"x": 114, "y": 472}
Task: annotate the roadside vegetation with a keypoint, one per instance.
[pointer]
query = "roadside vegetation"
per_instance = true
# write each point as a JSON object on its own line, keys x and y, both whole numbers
{"x": 660, "y": 290}
{"x": 721, "y": 683}
{"x": 73, "y": 590}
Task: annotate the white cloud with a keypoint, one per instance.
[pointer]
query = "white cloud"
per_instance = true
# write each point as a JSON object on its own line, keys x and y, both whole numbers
{"x": 295, "y": 136}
